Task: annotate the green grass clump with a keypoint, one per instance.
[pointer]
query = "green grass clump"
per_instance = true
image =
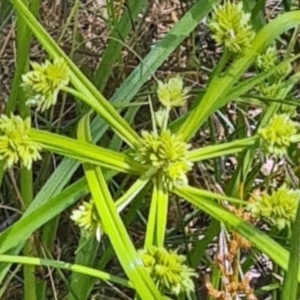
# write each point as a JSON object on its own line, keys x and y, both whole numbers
{"x": 147, "y": 177}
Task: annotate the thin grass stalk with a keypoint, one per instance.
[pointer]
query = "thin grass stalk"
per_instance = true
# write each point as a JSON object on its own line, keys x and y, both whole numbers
{"x": 114, "y": 227}
{"x": 34, "y": 261}
{"x": 290, "y": 286}
{"x": 259, "y": 240}
{"x": 150, "y": 230}
{"x": 113, "y": 50}
{"x": 162, "y": 213}
{"x": 86, "y": 152}
{"x": 17, "y": 99}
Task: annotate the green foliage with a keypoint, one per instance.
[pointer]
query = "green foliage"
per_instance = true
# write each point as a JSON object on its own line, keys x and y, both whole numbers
{"x": 161, "y": 159}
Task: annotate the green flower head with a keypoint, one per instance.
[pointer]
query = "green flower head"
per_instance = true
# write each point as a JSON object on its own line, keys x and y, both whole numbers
{"x": 172, "y": 93}
{"x": 168, "y": 270}
{"x": 15, "y": 143}
{"x": 86, "y": 217}
{"x": 270, "y": 90}
{"x": 44, "y": 82}
{"x": 279, "y": 208}
{"x": 268, "y": 60}
{"x": 167, "y": 152}
{"x": 279, "y": 134}
{"x": 230, "y": 26}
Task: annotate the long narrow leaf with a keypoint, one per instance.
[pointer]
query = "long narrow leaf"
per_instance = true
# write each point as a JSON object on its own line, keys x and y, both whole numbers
{"x": 34, "y": 219}
{"x": 115, "y": 228}
{"x": 260, "y": 240}
{"x": 221, "y": 149}
{"x": 290, "y": 287}
{"x": 65, "y": 266}
{"x": 86, "y": 152}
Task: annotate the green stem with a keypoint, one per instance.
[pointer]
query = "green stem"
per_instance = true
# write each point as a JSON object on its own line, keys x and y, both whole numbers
{"x": 28, "y": 271}
{"x": 33, "y": 261}
{"x": 150, "y": 231}
{"x": 290, "y": 287}
{"x": 220, "y": 66}
{"x": 221, "y": 149}
{"x": 162, "y": 213}
{"x": 17, "y": 98}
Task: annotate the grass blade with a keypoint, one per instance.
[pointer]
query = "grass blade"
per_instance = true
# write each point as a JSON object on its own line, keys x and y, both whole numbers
{"x": 290, "y": 287}
{"x": 163, "y": 49}
{"x": 115, "y": 228}
{"x": 37, "y": 217}
{"x": 221, "y": 149}
{"x": 86, "y": 152}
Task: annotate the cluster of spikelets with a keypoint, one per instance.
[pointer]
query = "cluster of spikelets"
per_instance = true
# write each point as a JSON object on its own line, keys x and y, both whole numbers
{"x": 166, "y": 152}
{"x": 280, "y": 132}
{"x": 172, "y": 93}
{"x": 267, "y": 61}
{"x": 168, "y": 270}
{"x": 15, "y": 143}
{"x": 44, "y": 82}
{"x": 230, "y": 27}
{"x": 163, "y": 149}
{"x": 87, "y": 219}
{"x": 278, "y": 208}
{"x": 42, "y": 85}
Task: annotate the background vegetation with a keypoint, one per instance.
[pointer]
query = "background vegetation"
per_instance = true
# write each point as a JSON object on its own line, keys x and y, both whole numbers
{"x": 116, "y": 53}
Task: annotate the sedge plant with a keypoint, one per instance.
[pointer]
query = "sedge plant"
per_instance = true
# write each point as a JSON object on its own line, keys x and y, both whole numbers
{"x": 161, "y": 160}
